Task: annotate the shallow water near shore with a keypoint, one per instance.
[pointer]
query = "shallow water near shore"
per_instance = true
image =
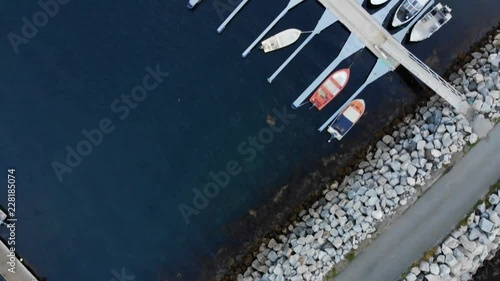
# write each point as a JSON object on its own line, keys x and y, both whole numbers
{"x": 119, "y": 208}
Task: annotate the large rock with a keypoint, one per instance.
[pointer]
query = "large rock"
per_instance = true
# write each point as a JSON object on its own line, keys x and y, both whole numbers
{"x": 272, "y": 256}
{"x": 450, "y": 260}
{"x": 473, "y": 138}
{"x": 377, "y": 214}
{"x": 387, "y": 139}
{"x": 434, "y": 268}
{"x": 302, "y": 269}
{"x": 424, "y": 267}
{"x": 486, "y": 225}
{"x": 374, "y": 200}
{"x": 481, "y": 126}
{"x": 474, "y": 234}
{"x": 411, "y": 277}
{"x": 494, "y": 199}
{"x": 467, "y": 244}
{"x": 451, "y": 242}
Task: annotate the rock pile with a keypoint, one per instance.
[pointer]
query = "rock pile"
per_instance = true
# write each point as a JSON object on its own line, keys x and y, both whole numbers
{"x": 463, "y": 252}
{"x": 401, "y": 162}
{"x": 479, "y": 79}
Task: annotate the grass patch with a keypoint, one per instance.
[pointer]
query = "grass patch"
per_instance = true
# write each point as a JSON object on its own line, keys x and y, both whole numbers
{"x": 350, "y": 257}
{"x": 471, "y": 146}
{"x": 332, "y": 274}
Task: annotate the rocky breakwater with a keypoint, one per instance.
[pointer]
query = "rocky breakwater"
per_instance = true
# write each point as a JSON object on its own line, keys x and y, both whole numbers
{"x": 464, "y": 251}
{"x": 349, "y": 213}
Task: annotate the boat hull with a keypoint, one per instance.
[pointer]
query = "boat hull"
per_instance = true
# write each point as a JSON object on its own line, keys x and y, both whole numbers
{"x": 330, "y": 88}
{"x": 347, "y": 119}
{"x": 280, "y": 40}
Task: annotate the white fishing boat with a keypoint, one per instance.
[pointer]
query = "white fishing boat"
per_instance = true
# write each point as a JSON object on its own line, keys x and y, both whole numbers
{"x": 378, "y": 2}
{"x": 192, "y": 3}
{"x": 280, "y": 40}
{"x": 431, "y": 23}
{"x": 407, "y": 11}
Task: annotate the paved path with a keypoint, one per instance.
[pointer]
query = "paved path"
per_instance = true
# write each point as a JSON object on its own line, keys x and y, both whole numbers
{"x": 432, "y": 217}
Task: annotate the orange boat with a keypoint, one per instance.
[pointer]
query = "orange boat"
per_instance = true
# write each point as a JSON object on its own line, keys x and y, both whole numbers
{"x": 332, "y": 86}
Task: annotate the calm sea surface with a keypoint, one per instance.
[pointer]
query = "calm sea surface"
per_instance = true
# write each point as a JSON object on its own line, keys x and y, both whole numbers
{"x": 118, "y": 208}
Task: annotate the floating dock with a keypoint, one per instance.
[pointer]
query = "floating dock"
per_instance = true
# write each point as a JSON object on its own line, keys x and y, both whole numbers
{"x": 231, "y": 16}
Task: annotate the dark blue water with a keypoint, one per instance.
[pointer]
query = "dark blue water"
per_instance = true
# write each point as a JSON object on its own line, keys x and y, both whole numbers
{"x": 119, "y": 207}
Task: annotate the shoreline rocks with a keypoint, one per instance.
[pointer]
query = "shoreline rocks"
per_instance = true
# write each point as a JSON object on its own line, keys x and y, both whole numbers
{"x": 388, "y": 178}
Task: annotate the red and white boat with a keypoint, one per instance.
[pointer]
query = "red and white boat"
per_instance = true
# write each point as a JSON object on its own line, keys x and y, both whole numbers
{"x": 332, "y": 86}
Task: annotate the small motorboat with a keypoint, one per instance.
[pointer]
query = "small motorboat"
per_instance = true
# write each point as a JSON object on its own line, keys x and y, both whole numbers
{"x": 280, "y": 40}
{"x": 407, "y": 11}
{"x": 332, "y": 86}
{"x": 347, "y": 119}
{"x": 378, "y": 2}
{"x": 192, "y": 3}
{"x": 431, "y": 23}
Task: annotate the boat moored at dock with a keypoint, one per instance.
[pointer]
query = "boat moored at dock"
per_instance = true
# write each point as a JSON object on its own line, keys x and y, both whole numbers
{"x": 407, "y": 11}
{"x": 192, "y": 3}
{"x": 330, "y": 88}
{"x": 431, "y": 23}
{"x": 280, "y": 40}
{"x": 347, "y": 119}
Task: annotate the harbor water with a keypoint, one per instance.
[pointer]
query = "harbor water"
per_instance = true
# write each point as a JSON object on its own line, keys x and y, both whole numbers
{"x": 108, "y": 187}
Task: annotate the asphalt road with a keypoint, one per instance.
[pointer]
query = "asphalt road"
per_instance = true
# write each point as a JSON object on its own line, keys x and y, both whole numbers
{"x": 432, "y": 217}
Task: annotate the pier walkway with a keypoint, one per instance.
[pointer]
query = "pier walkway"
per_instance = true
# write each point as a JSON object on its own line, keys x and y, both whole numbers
{"x": 383, "y": 45}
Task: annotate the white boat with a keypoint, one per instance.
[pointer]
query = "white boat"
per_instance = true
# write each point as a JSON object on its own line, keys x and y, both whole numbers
{"x": 407, "y": 11}
{"x": 192, "y": 3}
{"x": 280, "y": 40}
{"x": 378, "y": 2}
{"x": 431, "y": 23}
